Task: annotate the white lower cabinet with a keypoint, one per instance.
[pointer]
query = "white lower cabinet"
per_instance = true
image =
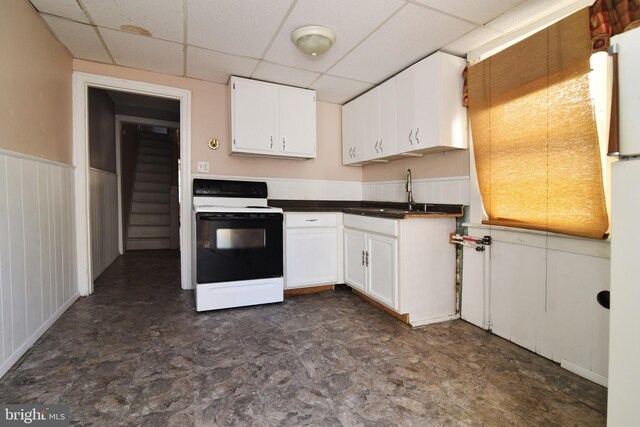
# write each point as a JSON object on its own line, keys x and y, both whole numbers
{"x": 407, "y": 265}
{"x": 370, "y": 265}
{"x": 355, "y": 274}
{"x": 313, "y": 249}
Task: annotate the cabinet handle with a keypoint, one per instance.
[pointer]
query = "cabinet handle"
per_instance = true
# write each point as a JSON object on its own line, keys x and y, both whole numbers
{"x": 381, "y": 149}
{"x": 311, "y": 220}
{"x": 410, "y": 140}
{"x": 362, "y": 257}
{"x": 377, "y": 142}
{"x": 354, "y": 152}
{"x": 271, "y": 141}
{"x": 284, "y": 144}
{"x": 366, "y": 258}
{"x": 417, "y": 140}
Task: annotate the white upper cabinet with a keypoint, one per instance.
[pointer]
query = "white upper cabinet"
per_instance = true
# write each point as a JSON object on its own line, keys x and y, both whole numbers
{"x": 297, "y": 122}
{"x": 387, "y": 118}
{"x": 272, "y": 120}
{"x": 353, "y": 132}
{"x": 417, "y": 111}
{"x": 429, "y": 111}
{"x": 254, "y": 116}
{"x": 369, "y": 125}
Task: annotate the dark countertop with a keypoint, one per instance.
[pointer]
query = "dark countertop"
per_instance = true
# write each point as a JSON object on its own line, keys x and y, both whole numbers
{"x": 366, "y": 208}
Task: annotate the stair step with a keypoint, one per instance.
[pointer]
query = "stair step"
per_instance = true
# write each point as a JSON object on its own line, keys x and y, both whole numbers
{"x": 156, "y": 208}
{"x": 142, "y": 244}
{"x": 154, "y": 151}
{"x": 153, "y": 168}
{"x": 156, "y": 160}
{"x": 145, "y": 196}
{"x": 149, "y": 231}
{"x": 149, "y": 219}
{"x": 154, "y": 187}
{"x": 159, "y": 178}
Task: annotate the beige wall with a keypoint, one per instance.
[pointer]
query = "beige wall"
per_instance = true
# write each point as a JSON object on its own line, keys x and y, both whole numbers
{"x": 439, "y": 165}
{"x": 35, "y": 86}
{"x": 210, "y": 107}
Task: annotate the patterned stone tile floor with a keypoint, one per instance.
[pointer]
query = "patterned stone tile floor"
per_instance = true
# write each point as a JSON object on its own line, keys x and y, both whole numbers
{"x": 137, "y": 353}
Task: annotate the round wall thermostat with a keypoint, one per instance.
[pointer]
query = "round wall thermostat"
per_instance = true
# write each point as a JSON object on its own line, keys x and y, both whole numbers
{"x": 213, "y": 144}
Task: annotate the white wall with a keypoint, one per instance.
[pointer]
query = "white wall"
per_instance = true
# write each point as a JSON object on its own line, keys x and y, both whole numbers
{"x": 543, "y": 295}
{"x": 37, "y": 273}
{"x": 104, "y": 220}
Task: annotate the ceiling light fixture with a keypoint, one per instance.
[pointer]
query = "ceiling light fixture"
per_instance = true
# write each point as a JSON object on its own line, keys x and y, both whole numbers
{"x": 314, "y": 39}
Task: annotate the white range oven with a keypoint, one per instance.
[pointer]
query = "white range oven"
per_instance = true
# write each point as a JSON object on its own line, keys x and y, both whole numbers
{"x": 237, "y": 245}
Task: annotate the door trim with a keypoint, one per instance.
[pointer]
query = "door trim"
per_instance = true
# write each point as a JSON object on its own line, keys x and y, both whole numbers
{"x": 81, "y": 82}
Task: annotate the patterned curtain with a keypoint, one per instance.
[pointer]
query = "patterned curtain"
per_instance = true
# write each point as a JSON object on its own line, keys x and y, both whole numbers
{"x": 611, "y": 17}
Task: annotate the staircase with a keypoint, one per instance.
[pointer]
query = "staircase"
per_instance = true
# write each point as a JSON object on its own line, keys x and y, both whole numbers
{"x": 150, "y": 216}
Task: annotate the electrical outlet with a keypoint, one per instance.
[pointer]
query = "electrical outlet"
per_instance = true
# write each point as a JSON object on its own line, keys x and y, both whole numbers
{"x": 203, "y": 166}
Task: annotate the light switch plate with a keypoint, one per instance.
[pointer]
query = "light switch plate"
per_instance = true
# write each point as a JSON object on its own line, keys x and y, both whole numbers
{"x": 203, "y": 166}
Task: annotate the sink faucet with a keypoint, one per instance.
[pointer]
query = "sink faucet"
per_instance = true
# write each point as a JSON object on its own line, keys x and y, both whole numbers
{"x": 408, "y": 188}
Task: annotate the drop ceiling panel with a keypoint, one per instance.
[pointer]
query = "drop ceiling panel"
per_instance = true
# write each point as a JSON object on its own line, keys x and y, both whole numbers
{"x": 285, "y": 75}
{"x": 355, "y": 20}
{"x": 80, "y": 39}
{"x": 217, "y": 67}
{"x": 69, "y": 9}
{"x": 526, "y": 13}
{"x": 338, "y": 90}
{"x": 472, "y": 40}
{"x": 162, "y": 18}
{"x": 143, "y": 52}
{"x": 243, "y": 28}
{"x": 411, "y": 34}
{"x": 476, "y": 11}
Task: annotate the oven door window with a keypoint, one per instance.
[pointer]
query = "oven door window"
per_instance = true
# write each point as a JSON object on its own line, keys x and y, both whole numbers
{"x": 241, "y": 246}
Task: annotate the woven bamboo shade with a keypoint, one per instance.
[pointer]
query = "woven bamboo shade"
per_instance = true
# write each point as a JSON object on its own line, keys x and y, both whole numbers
{"x": 534, "y": 133}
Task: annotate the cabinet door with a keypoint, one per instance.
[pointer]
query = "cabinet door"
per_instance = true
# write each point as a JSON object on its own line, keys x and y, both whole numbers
{"x": 387, "y": 108}
{"x": 255, "y": 116}
{"x": 312, "y": 256}
{"x": 417, "y": 106}
{"x": 348, "y": 133}
{"x": 405, "y": 114}
{"x": 354, "y": 257}
{"x": 383, "y": 284}
{"x": 354, "y": 131}
{"x": 371, "y": 106}
{"x": 297, "y": 122}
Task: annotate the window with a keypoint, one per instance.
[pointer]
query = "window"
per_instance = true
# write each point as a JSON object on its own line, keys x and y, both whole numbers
{"x": 534, "y": 134}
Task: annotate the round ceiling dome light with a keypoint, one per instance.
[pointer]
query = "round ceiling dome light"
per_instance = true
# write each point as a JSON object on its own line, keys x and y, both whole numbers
{"x": 314, "y": 39}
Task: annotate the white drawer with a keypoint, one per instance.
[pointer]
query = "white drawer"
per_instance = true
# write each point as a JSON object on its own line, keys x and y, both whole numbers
{"x": 310, "y": 219}
{"x": 372, "y": 224}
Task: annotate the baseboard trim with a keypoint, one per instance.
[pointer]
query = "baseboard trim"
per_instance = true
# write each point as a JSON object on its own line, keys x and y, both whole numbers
{"x": 585, "y": 373}
{"x": 424, "y": 322}
{"x": 308, "y": 290}
{"x": 13, "y": 358}
{"x": 401, "y": 317}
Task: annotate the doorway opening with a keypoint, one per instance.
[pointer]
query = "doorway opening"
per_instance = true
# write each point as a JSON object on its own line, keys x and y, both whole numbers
{"x": 134, "y": 159}
{"x": 130, "y": 139}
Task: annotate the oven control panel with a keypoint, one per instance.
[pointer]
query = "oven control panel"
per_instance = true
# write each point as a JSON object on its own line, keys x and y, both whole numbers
{"x": 224, "y": 188}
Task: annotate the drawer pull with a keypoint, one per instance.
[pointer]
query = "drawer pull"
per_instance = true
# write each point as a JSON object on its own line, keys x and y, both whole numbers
{"x": 311, "y": 220}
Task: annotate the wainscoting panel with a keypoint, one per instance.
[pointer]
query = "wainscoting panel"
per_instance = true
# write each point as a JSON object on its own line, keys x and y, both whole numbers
{"x": 453, "y": 190}
{"x": 104, "y": 220}
{"x": 37, "y": 278}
